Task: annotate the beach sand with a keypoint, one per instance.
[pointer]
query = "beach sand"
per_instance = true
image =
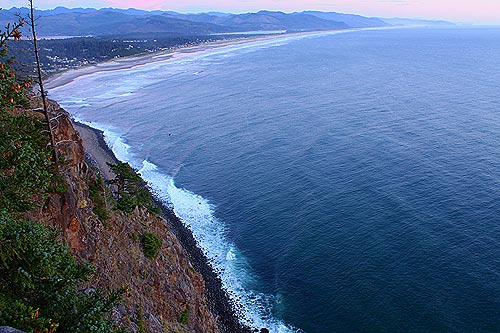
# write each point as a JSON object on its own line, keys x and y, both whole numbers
{"x": 96, "y": 149}
{"x": 68, "y": 76}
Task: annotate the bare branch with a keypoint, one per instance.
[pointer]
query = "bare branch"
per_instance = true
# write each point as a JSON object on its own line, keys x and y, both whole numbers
{"x": 66, "y": 141}
{"x": 31, "y": 17}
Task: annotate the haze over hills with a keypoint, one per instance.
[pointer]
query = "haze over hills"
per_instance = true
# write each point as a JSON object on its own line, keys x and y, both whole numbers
{"x": 398, "y": 21}
{"x": 63, "y": 21}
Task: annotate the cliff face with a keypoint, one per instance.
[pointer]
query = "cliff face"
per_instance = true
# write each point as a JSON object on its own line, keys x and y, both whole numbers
{"x": 165, "y": 294}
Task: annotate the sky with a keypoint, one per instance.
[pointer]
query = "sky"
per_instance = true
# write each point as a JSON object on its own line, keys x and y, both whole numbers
{"x": 466, "y": 11}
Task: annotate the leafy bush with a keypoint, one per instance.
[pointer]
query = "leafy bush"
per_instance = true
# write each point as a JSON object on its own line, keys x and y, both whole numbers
{"x": 150, "y": 245}
{"x": 26, "y": 169}
{"x": 141, "y": 323}
{"x": 38, "y": 283}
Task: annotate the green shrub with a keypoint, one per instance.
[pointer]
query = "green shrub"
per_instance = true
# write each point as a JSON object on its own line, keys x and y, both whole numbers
{"x": 97, "y": 193}
{"x": 126, "y": 203}
{"x": 26, "y": 169}
{"x": 12, "y": 91}
{"x": 141, "y": 323}
{"x": 184, "y": 317}
{"x": 150, "y": 245}
{"x": 132, "y": 190}
{"x": 39, "y": 279}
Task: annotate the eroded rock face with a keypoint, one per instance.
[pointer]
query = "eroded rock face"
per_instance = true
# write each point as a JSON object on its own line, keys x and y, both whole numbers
{"x": 175, "y": 291}
{"x": 71, "y": 211}
{"x": 169, "y": 292}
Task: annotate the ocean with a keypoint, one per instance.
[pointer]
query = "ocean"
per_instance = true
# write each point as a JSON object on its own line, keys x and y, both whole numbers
{"x": 337, "y": 182}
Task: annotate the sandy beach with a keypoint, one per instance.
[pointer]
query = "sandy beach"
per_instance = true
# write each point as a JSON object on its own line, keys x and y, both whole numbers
{"x": 68, "y": 76}
{"x": 96, "y": 149}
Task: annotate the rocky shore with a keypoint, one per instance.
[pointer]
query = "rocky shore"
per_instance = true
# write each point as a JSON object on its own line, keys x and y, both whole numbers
{"x": 99, "y": 154}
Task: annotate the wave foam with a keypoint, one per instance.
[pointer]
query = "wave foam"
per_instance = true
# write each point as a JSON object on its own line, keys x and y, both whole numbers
{"x": 197, "y": 213}
{"x": 253, "y": 308}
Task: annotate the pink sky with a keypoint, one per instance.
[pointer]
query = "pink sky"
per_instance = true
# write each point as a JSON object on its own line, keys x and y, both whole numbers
{"x": 479, "y": 11}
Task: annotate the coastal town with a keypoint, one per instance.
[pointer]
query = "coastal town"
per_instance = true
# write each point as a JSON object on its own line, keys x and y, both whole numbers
{"x": 60, "y": 54}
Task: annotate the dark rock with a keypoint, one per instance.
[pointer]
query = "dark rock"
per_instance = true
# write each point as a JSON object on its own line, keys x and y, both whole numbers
{"x": 7, "y": 329}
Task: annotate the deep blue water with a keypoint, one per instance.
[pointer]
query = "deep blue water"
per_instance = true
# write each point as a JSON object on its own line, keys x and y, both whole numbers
{"x": 340, "y": 183}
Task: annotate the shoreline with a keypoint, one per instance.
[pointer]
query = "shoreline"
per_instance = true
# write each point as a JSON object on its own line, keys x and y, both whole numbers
{"x": 218, "y": 301}
{"x": 96, "y": 148}
{"x": 67, "y": 76}
{"x": 98, "y": 153}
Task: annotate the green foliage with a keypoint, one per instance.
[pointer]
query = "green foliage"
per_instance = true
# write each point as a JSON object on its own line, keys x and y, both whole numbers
{"x": 184, "y": 317}
{"x": 97, "y": 193}
{"x": 27, "y": 173}
{"x": 126, "y": 203}
{"x": 17, "y": 314}
{"x": 150, "y": 245}
{"x": 132, "y": 190}
{"x": 12, "y": 91}
{"x": 39, "y": 278}
{"x": 141, "y": 323}
{"x": 38, "y": 283}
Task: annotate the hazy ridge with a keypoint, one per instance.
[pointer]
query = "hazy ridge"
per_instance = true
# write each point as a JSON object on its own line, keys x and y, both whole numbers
{"x": 63, "y": 21}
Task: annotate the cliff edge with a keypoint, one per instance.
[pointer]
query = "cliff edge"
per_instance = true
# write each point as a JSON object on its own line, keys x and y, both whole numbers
{"x": 162, "y": 294}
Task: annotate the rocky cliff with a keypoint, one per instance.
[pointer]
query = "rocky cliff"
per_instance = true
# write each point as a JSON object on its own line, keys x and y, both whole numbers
{"x": 163, "y": 294}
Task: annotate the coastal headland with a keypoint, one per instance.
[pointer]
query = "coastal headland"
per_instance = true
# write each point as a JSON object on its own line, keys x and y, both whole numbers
{"x": 98, "y": 154}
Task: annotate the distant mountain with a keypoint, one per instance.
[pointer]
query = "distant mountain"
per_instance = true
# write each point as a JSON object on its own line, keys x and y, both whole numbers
{"x": 133, "y": 11}
{"x": 64, "y": 10}
{"x": 415, "y": 22}
{"x": 203, "y": 17}
{"x": 63, "y": 21}
{"x": 219, "y": 14}
{"x": 10, "y": 14}
{"x": 91, "y": 22}
{"x": 267, "y": 20}
{"x": 354, "y": 21}
{"x": 101, "y": 23}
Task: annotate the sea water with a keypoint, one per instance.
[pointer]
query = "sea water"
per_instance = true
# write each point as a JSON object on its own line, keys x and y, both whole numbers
{"x": 337, "y": 182}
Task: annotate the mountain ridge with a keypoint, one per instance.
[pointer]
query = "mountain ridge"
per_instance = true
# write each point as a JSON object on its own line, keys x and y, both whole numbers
{"x": 63, "y": 21}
